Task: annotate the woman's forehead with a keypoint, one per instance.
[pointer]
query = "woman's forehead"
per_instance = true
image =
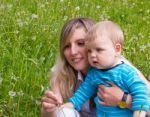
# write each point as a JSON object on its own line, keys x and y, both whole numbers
{"x": 78, "y": 34}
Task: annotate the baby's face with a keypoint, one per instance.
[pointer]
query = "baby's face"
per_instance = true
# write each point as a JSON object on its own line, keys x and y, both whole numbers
{"x": 102, "y": 53}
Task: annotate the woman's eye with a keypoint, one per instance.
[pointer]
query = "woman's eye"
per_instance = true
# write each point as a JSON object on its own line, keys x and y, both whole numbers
{"x": 66, "y": 46}
{"x": 81, "y": 43}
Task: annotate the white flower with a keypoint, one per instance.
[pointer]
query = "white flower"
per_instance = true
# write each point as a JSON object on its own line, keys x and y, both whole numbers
{"x": 19, "y": 22}
{"x": 9, "y": 6}
{"x": 86, "y": 5}
{"x": 34, "y": 16}
{"x": 20, "y": 93}
{"x": 148, "y": 45}
{"x": 77, "y": 8}
{"x": 12, "y": 93}
{"x": 38, "y": 102}
{"x": 148, "y": 11}
{"x": 98, "y": 7}
{"x": 65, "y": 18}
{"x": 13, "y": 77}
{"x": 16, "y": 32}
{"x": 142, "y": 48}
{"x": 33, "y": 38}
{"x": 42, "y": 6}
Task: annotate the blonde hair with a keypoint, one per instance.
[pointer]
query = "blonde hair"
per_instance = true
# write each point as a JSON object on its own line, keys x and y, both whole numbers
{"x": 108, "y": 28}
{"x": 64, "y": 74}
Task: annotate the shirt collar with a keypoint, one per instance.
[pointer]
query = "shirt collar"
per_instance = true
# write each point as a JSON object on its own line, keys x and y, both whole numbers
{"x": 80, "y": 76}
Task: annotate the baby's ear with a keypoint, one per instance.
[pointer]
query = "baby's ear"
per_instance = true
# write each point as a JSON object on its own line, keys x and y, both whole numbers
{"x": 118, "y": 48}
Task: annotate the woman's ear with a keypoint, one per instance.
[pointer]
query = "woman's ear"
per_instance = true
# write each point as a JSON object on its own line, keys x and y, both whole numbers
{"x": 118, "y": 48}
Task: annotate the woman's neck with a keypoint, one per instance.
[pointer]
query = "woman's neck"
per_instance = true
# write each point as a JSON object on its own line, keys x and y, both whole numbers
{"x": 84, "y": 72}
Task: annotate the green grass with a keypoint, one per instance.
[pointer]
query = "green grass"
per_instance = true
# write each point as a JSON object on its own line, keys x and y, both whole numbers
{"x": 29, "y": 41}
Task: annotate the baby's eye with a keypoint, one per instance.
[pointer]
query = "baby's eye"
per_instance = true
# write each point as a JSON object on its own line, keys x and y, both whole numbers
{"x": 99, "y": 49}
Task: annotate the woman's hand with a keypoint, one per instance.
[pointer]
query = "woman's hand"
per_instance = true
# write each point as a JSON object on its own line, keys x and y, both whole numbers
{"x": 111, "y": 96}
{"x": 50, "y": 101}
{"x": 67, "y": 105}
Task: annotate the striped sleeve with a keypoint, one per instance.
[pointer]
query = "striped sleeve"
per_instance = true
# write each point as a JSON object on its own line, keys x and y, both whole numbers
{"x": 138, "y": 90}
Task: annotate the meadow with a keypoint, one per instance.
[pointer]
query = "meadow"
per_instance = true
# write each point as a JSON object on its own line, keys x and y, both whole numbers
{"x": 29, "y": 43}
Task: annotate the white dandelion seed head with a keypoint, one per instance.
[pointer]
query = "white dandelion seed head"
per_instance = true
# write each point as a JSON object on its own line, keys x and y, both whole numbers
{"x": 33, "y": 38}
{"x": 77, "y": 8}
{"x": 20, "y": 93}
{"x": 98, "y": 7}
{"x": 65, "y": 18}
{"x": 148, "y": 45}
{"x": 34, "y": 16}
{"x": 9, "y": 6}
{"x": 142, "y": 48}
{"x": 12, "y": 93}
{"x": 38, "y": 102}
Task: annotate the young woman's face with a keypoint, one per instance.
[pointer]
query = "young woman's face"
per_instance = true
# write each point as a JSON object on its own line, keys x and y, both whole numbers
{"x": 75, "y": 51}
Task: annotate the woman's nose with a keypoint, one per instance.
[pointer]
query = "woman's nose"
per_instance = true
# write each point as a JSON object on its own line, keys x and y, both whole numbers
{"x": 74, "y": 49}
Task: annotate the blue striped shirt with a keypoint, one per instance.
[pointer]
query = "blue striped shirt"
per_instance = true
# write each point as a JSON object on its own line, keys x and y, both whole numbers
{"x": 125, "y": 77}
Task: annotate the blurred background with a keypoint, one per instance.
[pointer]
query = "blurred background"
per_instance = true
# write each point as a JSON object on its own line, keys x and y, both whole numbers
{"x": 29, "y": 42}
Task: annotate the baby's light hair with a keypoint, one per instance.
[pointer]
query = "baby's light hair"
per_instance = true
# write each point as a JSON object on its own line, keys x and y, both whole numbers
{"x": 107, "y": 28}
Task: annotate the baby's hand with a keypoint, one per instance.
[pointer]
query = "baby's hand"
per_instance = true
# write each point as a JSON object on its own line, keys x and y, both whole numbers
{"x": 68, "y": 105}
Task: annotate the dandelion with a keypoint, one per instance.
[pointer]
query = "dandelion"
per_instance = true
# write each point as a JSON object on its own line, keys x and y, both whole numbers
{"x": 65, "y": 18}
{"x": 19, "y": 22}
{"x": 20, "y": 93}
{"x": 86, "y": 5}
{"x": 12, "y": 93}
{"x": 16, "y": 32}
{"x": 38, "y": 102}
{"x": 42, "y": 59}
{"x": 34, "y": 16}
{"x": 148, "y": 11}
{"x": 2, "y": 6}
{"x": 40, "y": 5}
{"x": 77, "y": 8}
{"x": 26, "y": 23}
{"x": 13, "y": 77}
{"x": 46, "y": 3}
{"x": 9, "y": 6}
{"x": 18, "y": 14}
{"x": 148, "y": 45}
{"x": 33, "y": 38}
{"x": 98, "y": 7}
{"x": 27, "y": 18}
{"x": 142, "y": 48}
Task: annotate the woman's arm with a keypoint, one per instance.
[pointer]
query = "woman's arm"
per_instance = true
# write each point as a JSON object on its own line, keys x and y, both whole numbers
{"x": 50, "y": 102}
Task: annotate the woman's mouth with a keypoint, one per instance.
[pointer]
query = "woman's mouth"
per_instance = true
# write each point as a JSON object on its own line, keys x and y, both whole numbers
{"x": 76, "y": 60}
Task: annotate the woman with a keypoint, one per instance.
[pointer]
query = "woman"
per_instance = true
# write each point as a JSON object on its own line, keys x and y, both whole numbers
{"x": 70, "y": 70}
